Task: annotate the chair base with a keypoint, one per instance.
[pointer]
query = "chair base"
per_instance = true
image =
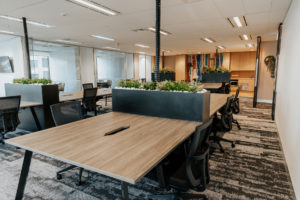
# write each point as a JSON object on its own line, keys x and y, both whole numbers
{"x": 59, "y": 173}
{"x": 2, "y": 138}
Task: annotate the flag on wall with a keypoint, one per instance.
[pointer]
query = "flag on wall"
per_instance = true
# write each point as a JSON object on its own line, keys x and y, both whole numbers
{"x": 207, "y": 60}
{"x": 217, "y": 60}
{"x": 221, "y": 59}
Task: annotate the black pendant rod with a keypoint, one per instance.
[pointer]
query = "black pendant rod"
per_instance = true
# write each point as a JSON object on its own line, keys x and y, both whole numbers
{"x": 276, "y": 68}
{"x": 27, "y": 47}
{"x": 163, "y": 59}
{"x": 157, "y": 40}
{"x": 257, "y": 70}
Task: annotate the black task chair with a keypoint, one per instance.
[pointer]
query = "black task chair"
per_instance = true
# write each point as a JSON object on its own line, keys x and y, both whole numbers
{"x": 89, "y": 100}
{"x": 224, "y": 124}
{"x": 194, "y": 172}
{"x": 87, "y": 85}
{"x": 225, "y": 89}
{"x": 64, "y": 113}
{"x": 236, "y": 102}
{"x": 9, "y": 120}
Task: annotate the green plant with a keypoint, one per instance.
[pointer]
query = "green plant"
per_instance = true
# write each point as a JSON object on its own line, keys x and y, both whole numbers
{"x": 270, "y": 62}
{"x": 32, "y": 81}
{"x": 166, "y": 70}
{"x": 148, "y": 86}
{"x": 130, "y": 84}
{"x": 220, "y": 69}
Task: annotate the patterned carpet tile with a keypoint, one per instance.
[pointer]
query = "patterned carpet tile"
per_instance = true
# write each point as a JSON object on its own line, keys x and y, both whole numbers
{"x": 254, "y": 169}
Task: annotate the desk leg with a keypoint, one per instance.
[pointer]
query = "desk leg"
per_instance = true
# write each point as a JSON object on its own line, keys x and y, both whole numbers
{"x": 106, "y": 100}
{"x": 161, "y": 176}
{"x": 36, "y": 120}
{"x": 125, "y": 191}
{"x": 23, "y": 175}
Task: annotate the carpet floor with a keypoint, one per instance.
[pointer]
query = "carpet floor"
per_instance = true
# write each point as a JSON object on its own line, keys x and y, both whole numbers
{"x": 254, "y": 169}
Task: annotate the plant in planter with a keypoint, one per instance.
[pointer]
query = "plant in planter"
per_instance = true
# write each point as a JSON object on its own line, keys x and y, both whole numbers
{"x": 215, "y": 75}
{"x": 165, "y": 74}
{"x": 32, "y": 81}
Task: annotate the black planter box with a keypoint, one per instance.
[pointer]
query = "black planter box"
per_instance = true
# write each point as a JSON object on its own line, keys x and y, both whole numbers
{"x": 164, "y": 76}
{"x": 215, "y": 77}
{"x": 174, "y": 105}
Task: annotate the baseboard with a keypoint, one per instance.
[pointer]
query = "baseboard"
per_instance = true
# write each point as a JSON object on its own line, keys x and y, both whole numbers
{"x": 264, "y": 101}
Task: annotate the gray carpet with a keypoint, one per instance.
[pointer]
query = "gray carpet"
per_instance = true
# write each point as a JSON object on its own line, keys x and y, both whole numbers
{"x": 255, "y": 169}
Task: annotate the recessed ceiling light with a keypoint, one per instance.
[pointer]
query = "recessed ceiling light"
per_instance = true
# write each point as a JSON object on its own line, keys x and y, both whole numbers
{"x": 112, "y": 48}
{"x": 103, "y": 38}
{"x": 68, "y": 41}
{"x": 250, "y": 45}
{"x": 6, "y": 32}
{"x": 28, "y": 21}
{"x": 221, "y": 47}
{"x": 237, "y": 21}
{"x": 142, "y": 46}
{"x": 209, "y": 40}
{"x": 94, "y": 6}
{"x": 161, "y": 31}
{"x": 245, "y": 37}
{"x": 167, "y": 51}
{"x": 141, "y": 52}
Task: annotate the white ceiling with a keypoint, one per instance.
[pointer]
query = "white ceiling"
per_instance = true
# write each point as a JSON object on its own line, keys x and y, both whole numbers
{"x": 187, "y": 20}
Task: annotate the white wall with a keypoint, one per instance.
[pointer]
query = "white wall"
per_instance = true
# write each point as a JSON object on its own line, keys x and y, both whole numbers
{"x": 288, "y": 93}
{"x": 11, "y": 46}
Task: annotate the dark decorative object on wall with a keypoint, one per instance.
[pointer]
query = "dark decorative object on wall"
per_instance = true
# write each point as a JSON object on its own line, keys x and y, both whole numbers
{"x": 270, "y": 62}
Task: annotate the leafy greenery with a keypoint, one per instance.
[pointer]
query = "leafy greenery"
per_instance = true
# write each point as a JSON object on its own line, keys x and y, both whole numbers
{"x": 220, "y": 69}
{"x": 32, "y": 81}
{"x": 163, "y": 86}
{"x": 166, "y": 70}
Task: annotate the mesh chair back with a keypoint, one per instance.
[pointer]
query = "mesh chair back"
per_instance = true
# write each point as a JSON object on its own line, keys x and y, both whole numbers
{"x": 9, "y": 108}
{"x": 67, "y": 112}
{"x": 197, "y": 159}
{"x": 89, "y": 99}
{"x": 87, "y": 85}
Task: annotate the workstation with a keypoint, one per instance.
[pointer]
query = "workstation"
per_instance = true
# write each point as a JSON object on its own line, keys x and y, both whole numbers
{"x": 118, "y": 108}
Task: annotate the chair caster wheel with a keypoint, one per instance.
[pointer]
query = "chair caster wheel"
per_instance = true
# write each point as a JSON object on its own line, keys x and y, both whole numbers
{"x": 58, "y": 176}
{"x": 233, "y": 145}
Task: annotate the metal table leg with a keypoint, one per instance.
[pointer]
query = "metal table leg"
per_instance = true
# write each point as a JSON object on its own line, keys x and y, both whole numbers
{"x": 23, "y": 175}
{"x": 36, "y": 120}
{"x": 125, "y": 190}
{"x": 161, "y": 176}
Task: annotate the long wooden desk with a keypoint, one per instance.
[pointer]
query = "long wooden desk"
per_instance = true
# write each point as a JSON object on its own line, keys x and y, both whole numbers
{"x": 212, "y": 85}
{"x": 217, "y": 101}
{"x": 126, "y": 156}
{"x": 70, "y": 96}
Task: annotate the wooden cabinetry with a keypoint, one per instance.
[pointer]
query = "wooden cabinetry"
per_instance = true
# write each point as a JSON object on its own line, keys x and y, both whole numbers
{"x": 240, "y": 61}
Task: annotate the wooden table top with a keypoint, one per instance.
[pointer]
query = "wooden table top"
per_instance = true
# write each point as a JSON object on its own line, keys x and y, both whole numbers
{"x": 212, "y": 85}
{"x": 127, "y": 155}
{"x": 27, "y": 104}
{"x": 217, "y": 101}
{"x": 70, "y": 96}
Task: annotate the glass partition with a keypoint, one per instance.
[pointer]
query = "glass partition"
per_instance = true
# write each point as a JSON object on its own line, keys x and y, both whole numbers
{"x": 114, "y": 66}
{"x": 145, "y": 67}
{"x": 57, "y": 62}
{"x": 11, "y": 60}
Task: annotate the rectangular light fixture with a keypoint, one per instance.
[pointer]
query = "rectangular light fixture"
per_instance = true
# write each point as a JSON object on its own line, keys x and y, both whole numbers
{"x": 95, "y": 6}
{"x": 237, "y": 21}
{"x": 221, "y": 47}
{"x": 161, "y": 31}
{"x": 209, "y": 40}
{"x": 68, "y": 41}
{"x": 249, "y": 45}
{"x": 112, "y": 48}
{"x": 6, "y": 32}
{"x": 28, "y": 21}
{"x": 141, "y": 52}
{"x": 142, "y": 46}
{"x": 103, "y": 38}
{"x": 245, "y": 37}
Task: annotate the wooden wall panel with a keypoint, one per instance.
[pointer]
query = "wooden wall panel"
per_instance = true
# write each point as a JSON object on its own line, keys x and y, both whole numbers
{"x": 242, "y": 61}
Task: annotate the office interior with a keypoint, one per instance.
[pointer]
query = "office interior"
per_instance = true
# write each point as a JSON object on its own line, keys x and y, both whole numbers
{"x": 120, "y": 48}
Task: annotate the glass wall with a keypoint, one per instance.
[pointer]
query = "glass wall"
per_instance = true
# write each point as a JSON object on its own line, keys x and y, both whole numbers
{"x": 11, "y": 60}
{"x": 57, "y": 62}
{"x": 114, "y": 66}
{"x": 145, "y": 67}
